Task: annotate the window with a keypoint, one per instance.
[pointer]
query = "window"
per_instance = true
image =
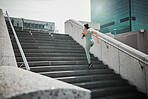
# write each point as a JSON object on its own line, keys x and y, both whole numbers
{"x": 124, "y": 19}
{"x": 108, "y": 24}
{"x": 133, "y": 18}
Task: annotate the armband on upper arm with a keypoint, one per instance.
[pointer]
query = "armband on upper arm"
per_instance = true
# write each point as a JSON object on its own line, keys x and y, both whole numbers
{"x": 83, "y": 35}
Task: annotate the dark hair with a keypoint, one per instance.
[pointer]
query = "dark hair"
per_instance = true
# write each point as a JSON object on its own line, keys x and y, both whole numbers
{"x": 86, "y": 26}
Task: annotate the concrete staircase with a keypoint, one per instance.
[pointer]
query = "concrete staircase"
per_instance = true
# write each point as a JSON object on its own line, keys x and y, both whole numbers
{"x": 60, "y": 57}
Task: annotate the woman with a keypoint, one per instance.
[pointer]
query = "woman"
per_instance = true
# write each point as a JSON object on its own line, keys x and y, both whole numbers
{"x": 89, "y": 42}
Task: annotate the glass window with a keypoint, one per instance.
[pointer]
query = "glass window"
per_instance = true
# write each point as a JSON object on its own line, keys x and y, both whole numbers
{"x": 124, "y": 19}
{"x": 108, "y": 24}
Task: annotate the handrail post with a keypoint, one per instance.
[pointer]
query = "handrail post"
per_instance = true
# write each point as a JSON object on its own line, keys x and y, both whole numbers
{"x": 18, "y": 43}
{"x": 22, "y": 24}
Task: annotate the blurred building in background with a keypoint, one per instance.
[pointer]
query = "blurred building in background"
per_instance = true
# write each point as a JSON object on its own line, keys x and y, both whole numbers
{"x": 31, "y": 24}
{"x": 120, "y": 16}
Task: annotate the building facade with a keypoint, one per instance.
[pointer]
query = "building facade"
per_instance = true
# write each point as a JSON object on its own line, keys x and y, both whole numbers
{"x": 31, "y": 24}
{"x": 120, "y": 16}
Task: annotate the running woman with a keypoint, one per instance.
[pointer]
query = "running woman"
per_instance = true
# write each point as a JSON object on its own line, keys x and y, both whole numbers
{"x": 87, "y": 33}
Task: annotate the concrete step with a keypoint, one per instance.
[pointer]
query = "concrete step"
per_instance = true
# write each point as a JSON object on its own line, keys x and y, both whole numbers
{"x": 127, "y": 95}
{"x": 76, "y": 79}
{"x": 101, "y": 92}
{"x": 22, "y": 35}
{"x": 66, "y": 68}
{"x": 57, "y": 41}
{"x": 38, "y": 33}
{"x": 45, "y": 33}
{"x": 44, "y": 39}
{"x": 50, "y": 51}
{"x": 54, "y": 63}
{"x": 29, "y": 36}
{"x": 58, "y": 34}
{"x": 101, "y": 84}
{"x": 51, "y": 48}
{"x": 56, "y": 74}
{"x": 61, "y": 58}
{"x": 44, "y": 42}
{"x": 52, "y": 36}
{"x": 53, "y": 55}
{"x": 48, "y": 45}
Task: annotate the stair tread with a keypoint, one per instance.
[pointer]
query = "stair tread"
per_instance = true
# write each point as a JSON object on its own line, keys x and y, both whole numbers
{"x": 61, "y": 66}
{"x": 96, "y": 70}
{"x": 111, "y": 88}
{"x": 89, "y": 76}
{"x": 72, "y": 57}
{"x": 128, "y": 95}
{"x": 100, "y": 92}
{"x": 97, "y": 82}
{"x": 58, "y": 61}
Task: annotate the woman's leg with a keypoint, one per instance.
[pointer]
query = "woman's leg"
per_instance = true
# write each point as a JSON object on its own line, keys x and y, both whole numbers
{"x": 87, "y": 49}
{"x": 89, "y": 43}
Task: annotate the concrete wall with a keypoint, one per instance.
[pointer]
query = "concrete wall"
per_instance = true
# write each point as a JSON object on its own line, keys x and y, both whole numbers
{"x": 16, "y": 83}
{"x": 135, "y": 39}
{"x": 95, "y": 26}
{"x": 129, "y": 68}
{"x": 7, "y": 56}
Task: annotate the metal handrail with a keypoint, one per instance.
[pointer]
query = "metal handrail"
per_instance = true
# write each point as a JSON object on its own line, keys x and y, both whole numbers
{"x": 18, "y": 44}
{"x": 81, "y": 27}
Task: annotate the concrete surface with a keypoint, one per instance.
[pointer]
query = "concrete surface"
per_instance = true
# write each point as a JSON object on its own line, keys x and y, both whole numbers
{"x": 109, "y": 54}
{"x": 134, "y": 71}
{"x": 7, "y": 56}
{"x": 97, "y": 46}
{"x": 146, "y": 70}
{"x": 95, "y": 26}
{"x": 135, "y": 39}
{"x": 16, "y": 83}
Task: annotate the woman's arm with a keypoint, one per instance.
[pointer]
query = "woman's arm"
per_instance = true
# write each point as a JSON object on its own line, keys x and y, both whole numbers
{"x": 96, "y": 36}
{"x": 84, "y": 33}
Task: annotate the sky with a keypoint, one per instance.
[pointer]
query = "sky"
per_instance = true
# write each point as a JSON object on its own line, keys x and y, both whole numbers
{"x": 57, "y": 11}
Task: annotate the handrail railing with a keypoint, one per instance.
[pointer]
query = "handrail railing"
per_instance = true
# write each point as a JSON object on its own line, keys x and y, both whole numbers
{"x": 18, "y": 44}
{"x": 80, "y": 25}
